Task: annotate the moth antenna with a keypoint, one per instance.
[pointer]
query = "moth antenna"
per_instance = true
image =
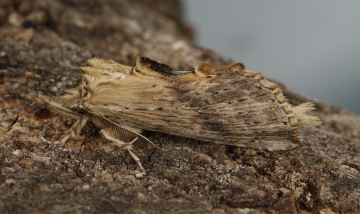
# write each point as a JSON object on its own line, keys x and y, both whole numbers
{"x": 125, "y": 131}
{"x": 120, "y": 129}
{"x": 57, "y": 105}
{"x": 301, "y": 112}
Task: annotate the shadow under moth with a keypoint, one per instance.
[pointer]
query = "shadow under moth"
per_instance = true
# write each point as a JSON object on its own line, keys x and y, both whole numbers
{"x": 220, "y": 104}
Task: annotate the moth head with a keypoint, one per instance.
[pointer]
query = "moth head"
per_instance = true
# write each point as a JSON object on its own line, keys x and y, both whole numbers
{"x": 74, "y": 98}
{"x": 85, "y": 93}
{"x": 91, "y": 77}
{"x": 70, "y": 100}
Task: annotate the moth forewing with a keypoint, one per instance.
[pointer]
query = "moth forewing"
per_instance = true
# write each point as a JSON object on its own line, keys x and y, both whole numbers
{"x": 220, "y": 104}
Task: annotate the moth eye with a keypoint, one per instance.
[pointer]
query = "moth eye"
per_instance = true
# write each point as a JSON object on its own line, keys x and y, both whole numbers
{"x": 85, "y": 92}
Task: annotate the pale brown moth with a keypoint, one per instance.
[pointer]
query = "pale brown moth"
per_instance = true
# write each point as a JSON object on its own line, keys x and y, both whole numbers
{"x": 220, "y": 104}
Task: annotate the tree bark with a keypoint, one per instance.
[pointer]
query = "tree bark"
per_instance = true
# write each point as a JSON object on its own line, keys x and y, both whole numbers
{"x": 42, "y": 46}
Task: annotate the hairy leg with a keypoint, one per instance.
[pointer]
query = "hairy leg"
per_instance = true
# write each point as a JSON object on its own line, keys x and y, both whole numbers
{"x": 121, "y": 144}
{"x": 75, "y": 129}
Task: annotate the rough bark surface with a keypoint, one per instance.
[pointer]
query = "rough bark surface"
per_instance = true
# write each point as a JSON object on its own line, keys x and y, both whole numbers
{"x": 42, "y": 45}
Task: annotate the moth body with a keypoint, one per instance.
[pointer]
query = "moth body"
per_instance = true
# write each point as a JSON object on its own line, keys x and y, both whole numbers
{"x": 221, "y": 104}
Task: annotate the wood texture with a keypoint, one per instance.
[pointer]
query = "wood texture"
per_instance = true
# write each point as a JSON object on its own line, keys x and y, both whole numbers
{"x": 42, "y": 46}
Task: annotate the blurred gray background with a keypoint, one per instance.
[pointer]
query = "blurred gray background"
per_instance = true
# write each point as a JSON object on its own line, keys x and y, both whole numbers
{"x": 313, "y": 47}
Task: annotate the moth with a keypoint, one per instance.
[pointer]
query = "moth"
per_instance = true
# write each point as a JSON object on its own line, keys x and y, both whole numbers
{"x": 220, "y": 104}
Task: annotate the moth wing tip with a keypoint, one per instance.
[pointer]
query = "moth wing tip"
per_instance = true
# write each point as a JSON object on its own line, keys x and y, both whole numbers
{"x": 301, "y": 111}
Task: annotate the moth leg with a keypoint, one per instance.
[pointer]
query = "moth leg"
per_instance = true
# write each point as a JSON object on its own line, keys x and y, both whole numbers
{"x": 75, "y": 129}
{"x": 123, "y": 145}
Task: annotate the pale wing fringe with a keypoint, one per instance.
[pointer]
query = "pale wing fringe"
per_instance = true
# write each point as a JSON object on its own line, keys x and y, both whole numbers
{"x": 301, "y": 111}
